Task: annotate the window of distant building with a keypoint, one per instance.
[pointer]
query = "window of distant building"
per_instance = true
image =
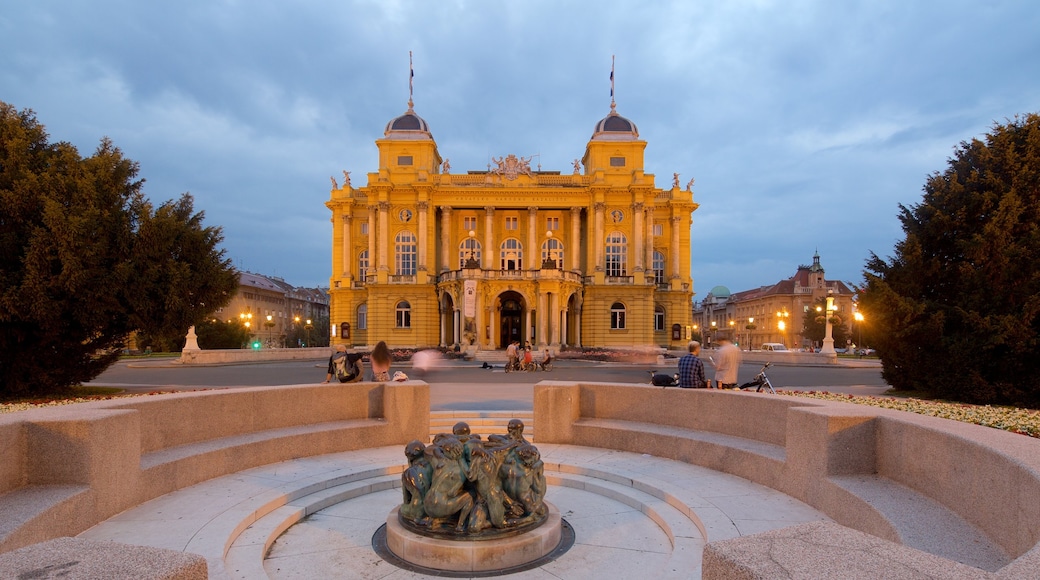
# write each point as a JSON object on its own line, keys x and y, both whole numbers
{"x": 511, "y": 254}
{"x": 469, "y": 248}
{"x": 617, "y": 252}
{"x": 362, "y": 265}
{"x": 405, "y": 254}
{"x": 404, "y": 314}
{"x": 658, "y": 318}
{"x": 512, "y": 223}
{"x": 617, "y": 316}
{"x": 552, "y": 249}
{"x": 362, "y": 317}
{"x": 658, "y": 267}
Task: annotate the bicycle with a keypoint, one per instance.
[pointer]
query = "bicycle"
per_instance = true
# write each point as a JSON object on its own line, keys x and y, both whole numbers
{"x": 761, "y": 381}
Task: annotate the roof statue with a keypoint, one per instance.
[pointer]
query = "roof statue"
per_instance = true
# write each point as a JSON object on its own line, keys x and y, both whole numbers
{"x": 334, "y": 184}
{"x": 689, "y": 185}
{"x": 511, "y": 166}
{"x": 346, "y": 179}
{"x": 675, "y": 180}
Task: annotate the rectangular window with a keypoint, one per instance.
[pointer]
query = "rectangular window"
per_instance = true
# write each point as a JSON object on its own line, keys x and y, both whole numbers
{"x": 512, "y": 223}
{"x": 617, "y": 161}
{"x": 552, "y": 223}
{"x": 658, "y": 229}
{"x": 469, "y": 223}
{"x": 659, "y": 321}
{"x": 404, "y": 159}
{"x": 364, "y": 228}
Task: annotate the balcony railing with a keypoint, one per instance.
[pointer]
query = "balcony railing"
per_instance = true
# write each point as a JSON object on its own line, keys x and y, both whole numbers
{"x": 546, "y": 274}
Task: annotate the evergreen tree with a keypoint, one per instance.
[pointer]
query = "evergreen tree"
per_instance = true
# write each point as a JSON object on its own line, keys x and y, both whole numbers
{"x": 84, "y": 259}
{"x": 956, "y": 310}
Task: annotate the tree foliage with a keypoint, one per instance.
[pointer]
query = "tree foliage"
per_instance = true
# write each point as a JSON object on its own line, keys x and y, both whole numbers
{"x": 814, "y": 325}
{"x": 85, "y": 259}
{"x": 957, "y": 308}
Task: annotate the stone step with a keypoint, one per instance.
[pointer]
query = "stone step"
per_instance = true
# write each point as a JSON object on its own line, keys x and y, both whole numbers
{"x": 483, "y": 423}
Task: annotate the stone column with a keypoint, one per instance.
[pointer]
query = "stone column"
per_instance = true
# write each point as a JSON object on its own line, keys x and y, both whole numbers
{"x": 423, "y": 208}
{"x": 446, "y": 239}
{"x": 347, "y": 220}
{"x": 488, "y": 251}
{"x": 676, "y": 224}
{"x": 372, "y": 229}
{"x": 442, "y": 321}
{"x": 533, "y": 257}
{"x": 649, "y": 263}
{"x": 554, "y": 322}
{"x": 384, "y": 235}
{"x": 543, "y": 320}
{"x": 527, "y": 323}
{"x": 565, "y": 326}
{"x": 597, "y": 240}
{"x": 575, "y": 242}
{"x": 640, "y": 248}
{"x": 577, "y": 327}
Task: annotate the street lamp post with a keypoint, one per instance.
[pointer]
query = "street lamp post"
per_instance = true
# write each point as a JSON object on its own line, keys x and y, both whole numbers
{"x": 711, "y": 335}
{"x": 858, "y": 317}
{"x": 750, "y": 327}
{"x": 781, "y": 325}
{"x": 269, "y": 323}
{"x": 308, "y": 328}
{"x": 247, "y": 322}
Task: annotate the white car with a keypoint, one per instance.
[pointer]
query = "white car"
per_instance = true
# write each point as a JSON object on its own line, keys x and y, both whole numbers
{"x": 773, "y": 346}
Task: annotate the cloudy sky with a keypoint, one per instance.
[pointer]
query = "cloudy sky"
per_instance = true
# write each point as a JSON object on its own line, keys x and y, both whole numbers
{"x": 805, "y": 123}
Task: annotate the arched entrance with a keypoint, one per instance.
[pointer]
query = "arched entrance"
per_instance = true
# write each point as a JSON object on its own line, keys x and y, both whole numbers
{"x": 449, "y": 323}
{"x": 511, "y": 319}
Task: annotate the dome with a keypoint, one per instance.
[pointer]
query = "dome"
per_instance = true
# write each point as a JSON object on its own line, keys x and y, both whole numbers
{"x": 408, "y": 125}
{"x": 720, "y": 292}
{"x": 614, "y": 126}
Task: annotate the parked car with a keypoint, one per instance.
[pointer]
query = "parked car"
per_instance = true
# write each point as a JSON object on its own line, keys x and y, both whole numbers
{"x": 773, "y": 346}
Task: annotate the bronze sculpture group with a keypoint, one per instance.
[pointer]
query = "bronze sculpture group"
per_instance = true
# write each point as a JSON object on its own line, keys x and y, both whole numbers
{"x": 461, "y": 486}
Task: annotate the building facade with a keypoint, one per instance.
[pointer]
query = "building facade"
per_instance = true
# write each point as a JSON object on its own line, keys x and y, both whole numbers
{"x": 422, "y": 256}
{"x": 277, "y": 313}
{"x": 774, "y": 313}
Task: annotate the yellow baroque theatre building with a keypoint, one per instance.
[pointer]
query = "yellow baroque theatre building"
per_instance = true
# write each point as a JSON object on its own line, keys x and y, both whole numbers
{"x": 596, "y": 257}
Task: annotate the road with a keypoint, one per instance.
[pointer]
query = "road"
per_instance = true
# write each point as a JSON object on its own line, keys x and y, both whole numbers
{"x": 465, "y": 385}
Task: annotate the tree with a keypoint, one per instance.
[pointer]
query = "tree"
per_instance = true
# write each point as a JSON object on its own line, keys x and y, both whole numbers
{"x": 959, "y": 302}
{"x": 215, "y": 334}
{"x": 814, "y": 325}
{"x": 84, "y": 259}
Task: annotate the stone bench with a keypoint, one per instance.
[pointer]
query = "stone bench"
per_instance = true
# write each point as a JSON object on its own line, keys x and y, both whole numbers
{"x": 79, "y": 559}
{"x": 64, "y": 469}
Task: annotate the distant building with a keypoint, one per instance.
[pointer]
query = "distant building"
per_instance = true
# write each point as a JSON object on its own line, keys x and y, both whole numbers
{"x": 595, "y": 257}
{"x": 774, "y": 313}
{"x": 275, "y": 310}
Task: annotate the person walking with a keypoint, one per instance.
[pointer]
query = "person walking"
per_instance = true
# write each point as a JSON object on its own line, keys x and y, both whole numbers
{"x": 691, "y": 369}
{"x": 727, "y": 365}
{"x": 380, "y": 358}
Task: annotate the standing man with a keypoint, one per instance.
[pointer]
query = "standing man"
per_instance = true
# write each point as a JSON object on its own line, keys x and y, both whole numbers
{"x": 691, "y": 369}
{"x": 727, "y": 365}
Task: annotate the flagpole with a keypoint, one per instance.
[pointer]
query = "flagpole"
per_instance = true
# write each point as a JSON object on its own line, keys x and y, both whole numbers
{"x": 612, "y": 104}
{"x": 411, "y": 78}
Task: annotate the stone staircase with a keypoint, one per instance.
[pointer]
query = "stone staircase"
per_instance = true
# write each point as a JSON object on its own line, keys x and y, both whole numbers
{"x": 483, "y": 423}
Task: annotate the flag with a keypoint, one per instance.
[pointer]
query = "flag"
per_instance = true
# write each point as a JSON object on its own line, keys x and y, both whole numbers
{"x": 612, "y": 78}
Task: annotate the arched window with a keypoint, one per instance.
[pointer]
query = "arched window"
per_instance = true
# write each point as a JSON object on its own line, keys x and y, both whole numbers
{"x": 362, "y": 317}
{"x": 362, "y": 265}
{"x": 404, "y": 314}
{"x": 512, "y": 254}
{"x": 617, "y": 316}
{"x": 469, "y": 248}
{"x": 552, "y": 249}
{"x": 617, "y": 252}
{"x": 404, "y": 254}
{"x": 658, "y": 267}
{"x": 658, "y": 318}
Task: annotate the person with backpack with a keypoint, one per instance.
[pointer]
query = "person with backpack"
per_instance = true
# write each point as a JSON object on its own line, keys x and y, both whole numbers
{"x": 346, "y": 367}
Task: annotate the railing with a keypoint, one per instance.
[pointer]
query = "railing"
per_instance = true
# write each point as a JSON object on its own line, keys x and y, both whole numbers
{"x": 510, "y": 275}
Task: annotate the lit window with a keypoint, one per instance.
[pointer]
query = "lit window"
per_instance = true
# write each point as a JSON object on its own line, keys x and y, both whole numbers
{"x": 511, "y": 254}
{"x": 617, "y": 252}
{"x": 552, "y": 249}
{"x": 362, "y": 266}
{"x": 658, "y": 268}
{"x": 511, "y": 223}
{"x": 362, "y": 317}
{"x": 658, "y": 318}
{"x": 405, "y": 254}
{"x": 469, "y": 248}
{"x": 404, "y": 315}
{"x": 552, "y": 223}
{"x": 617, "y": 316}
